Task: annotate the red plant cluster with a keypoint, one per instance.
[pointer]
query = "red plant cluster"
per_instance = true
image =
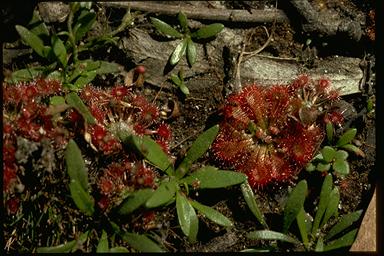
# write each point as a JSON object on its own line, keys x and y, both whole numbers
{"x": 271, "y": 133}
{"x": 123, "y": 176}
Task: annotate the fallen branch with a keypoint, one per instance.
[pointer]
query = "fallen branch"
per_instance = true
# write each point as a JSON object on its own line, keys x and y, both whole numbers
{"x": 257, "y": 16}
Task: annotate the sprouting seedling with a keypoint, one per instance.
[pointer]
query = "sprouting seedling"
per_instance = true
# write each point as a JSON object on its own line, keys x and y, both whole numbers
{"x": 187, "y": 44}
{"x": 174, "y": 187}
{"x": 178, "y": 80}
{"x": 62, "y": 52}
{"x": 335, "y": 157}
{"x": 311, "y": 230}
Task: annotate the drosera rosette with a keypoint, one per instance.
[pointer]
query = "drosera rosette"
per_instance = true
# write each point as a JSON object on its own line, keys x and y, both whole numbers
{"x": 271, "y": 132}
{"x": 119, "y": 113}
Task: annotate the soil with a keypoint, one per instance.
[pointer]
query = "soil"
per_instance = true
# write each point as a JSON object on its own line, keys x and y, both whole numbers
{"x": 188, "y": 116}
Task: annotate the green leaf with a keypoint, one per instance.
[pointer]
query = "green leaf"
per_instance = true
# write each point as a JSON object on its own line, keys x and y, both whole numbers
{"x": 165, "y": 28}
{"x": 183, "y": 21}
{"x": 341, "y": 166}
{"x": 55, "y": 75}
{"x": 212, "y": 214}
{"x": 310, "y": 167}
{"x": 344, "y": 241}
{"x": 83, "y": 24}
{"x": 319, "y": 245}
{"x": 270, "y": 235}
{"x": 191, "y": 52}
{"x": 118, "y": 249}
{"x": 187, "y": 217}
{"x": 197, "y": 150}
{"x": 37, "y": 25}
{"x": 328, "y": 153}
{"x": 59, "y": 50}
{"x": 301, "y": 223}
{"x": 252, "y": 204}
{"x": 32, "y": 40}
{"x": 152, "y": 152}
{"x": 84, "y": 79}
{"x": 341, "y": 155}
{"x": 27, "y": 74}
{"x": 57, "y": 100}
{"x": 347, "y": 137}
{"x": 135, "y": 200}
{"x": 211, "y": 177}
{"x": 178, "y": 52}
{"x": 163, "y": 194}
{"x": 67, "y": 247}
{"x": 176, "y": 80}
{"x": 344, "y": 222}
{"x": 108, "y": 68}
{"x": 323, "y": 203}
{"x": 329, "y": 128}
{"x": 354, "y": 149}
{"x": 75, "y": 101}
{"x": 332, "y": 206}
{"x": 208, "y": 31}
{"x": 321, "y": 167}
{"x": 78, "y": 178}
{"x": 141, "y": 243}
{"x": 294, "y": 204}
{"x": 184, "y": 89}
{"x": 103, "y": 243}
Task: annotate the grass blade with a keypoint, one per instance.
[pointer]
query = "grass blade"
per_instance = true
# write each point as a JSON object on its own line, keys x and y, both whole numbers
{"x": 294, "y": 204}
{"x": 323, "y": 203}
{"x": 333, "y": 204}
{"x": 301, "y": 223}
{"x": 271, "y": 235}
{"x": 344, "y": 222}
{"x": 344, "y": 241}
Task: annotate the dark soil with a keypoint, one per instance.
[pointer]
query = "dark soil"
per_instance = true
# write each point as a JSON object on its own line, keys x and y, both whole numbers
{"x": 188, "y": 117}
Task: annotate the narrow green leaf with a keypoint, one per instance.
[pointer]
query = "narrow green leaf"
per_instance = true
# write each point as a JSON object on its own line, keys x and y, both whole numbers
{"x": 165, "y": 28}
{"x": 208, "y": 31}
{"x": 85, "y": 78}
{"x": 323, "y": 203}
{"x": 191, "y": 52}
{"x": 252, "y": 204}
{"x": 32, "y": 40}
{"x": 333, "y": 204}
{"x": 141, "y": 243}
{"x": 27, "y": 74}
{"x": 152, "y": 152}
{"x": 294, "y": 204}
{"x": 75, "y": 101}
{"x": 344, "y": 241}
{"x": 328, "y": 153}
{"x": 59, "y": 50}
{"x": 347, "y": 137}
{"x": 62, "y": 248}
{"x": 78, "y": 178}
{"x": 341, "y": 166}
{"x": 135, "y": 200}
{"x": 176, "y": 80}
{"x": 84, "y": 24}
{"x": 118, "y": 249}
{"x": 270, "y": 235}
{"x": 187, "y": 217}
{"x": 108, "y": 68}
{"x": 212, "y": 214}
{"x": 354, "y": 149}
{"x": 319, "y": 245}
{"x": 329, "y": 128}
{"x": 183, "y": 21}
{"x": 67, "y": 247}
{"x": 103, "y": 243}
{"x": 301, "y": 223}
{"x": 163, "y": 194}
{"x": 344, "y": 222}
{"x": 75, "y": 164}
{"x": 210, "y": 177}
{"x": 37, "y": 25}
{"x": 184, "y": 89}
{"x": 178, "y": 52}
{"x": 57, "y": 100}
{"x": 197, "y": 150}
